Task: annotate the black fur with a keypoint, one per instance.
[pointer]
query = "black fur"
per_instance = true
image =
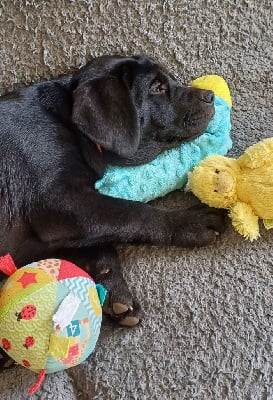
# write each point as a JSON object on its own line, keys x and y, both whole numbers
{"x": 134, "y": 109}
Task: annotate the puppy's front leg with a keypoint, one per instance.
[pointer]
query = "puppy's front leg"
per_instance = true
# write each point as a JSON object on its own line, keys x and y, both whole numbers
{"x": 70, "y": 219}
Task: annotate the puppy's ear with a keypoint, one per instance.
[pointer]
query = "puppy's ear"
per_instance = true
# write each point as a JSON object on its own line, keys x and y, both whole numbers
{"x": 104, "y": 111}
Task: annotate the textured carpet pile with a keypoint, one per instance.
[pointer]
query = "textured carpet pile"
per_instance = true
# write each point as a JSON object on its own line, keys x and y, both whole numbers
{"x": 208, "y": 332}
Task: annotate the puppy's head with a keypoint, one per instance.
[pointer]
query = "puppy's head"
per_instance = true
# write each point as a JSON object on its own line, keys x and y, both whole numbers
{"x": 135, "y": 109}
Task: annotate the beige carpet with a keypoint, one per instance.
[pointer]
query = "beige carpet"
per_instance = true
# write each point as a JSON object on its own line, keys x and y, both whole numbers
{"x": 208, "y": 333}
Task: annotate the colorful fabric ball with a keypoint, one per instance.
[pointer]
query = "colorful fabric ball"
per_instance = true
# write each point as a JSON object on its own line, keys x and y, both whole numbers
{"x": 50, "y": 314}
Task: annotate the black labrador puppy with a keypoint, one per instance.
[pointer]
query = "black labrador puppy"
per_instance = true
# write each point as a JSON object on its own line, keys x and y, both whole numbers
{"x": 56, "y": 139}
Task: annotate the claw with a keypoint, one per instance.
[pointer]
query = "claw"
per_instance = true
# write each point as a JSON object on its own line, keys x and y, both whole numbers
{"x": 120, "y": 308}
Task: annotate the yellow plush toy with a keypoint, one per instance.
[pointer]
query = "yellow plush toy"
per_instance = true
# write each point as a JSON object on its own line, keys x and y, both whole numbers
{"x": 243, "y": 186}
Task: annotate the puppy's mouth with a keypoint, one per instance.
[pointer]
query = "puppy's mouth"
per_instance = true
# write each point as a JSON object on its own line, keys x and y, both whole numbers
{"x": 175, "y": 140}
{"x": 171, "y": 140}
{"x": 160, "y": 140}
{"x": 190, "y": 128}
{"x": 179, "y": 136}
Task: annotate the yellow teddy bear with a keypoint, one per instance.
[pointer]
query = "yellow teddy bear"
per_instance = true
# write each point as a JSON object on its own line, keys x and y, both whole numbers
{"x": 243, "y": 186}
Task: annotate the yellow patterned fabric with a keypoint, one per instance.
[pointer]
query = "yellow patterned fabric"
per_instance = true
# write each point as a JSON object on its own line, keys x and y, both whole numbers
{"x": 27, "y": 327}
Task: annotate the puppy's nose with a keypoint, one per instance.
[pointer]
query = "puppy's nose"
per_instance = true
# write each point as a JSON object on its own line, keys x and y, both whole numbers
{"x": 207, "y": 96}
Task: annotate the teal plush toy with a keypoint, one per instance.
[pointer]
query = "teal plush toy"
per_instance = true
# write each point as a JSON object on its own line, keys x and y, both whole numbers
{"x": 169, "y": 171}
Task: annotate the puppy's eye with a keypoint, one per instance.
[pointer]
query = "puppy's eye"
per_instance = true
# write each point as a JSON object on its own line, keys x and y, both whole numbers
{"x": 217, "y": 171}
{"x": 158, "y": 87}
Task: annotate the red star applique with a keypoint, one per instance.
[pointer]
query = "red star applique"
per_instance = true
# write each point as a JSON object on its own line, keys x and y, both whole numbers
{"x": 27, "y": 279}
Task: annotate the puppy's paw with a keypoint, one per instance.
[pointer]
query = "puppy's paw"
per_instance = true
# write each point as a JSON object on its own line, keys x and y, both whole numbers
{"x": 198, "y": 226}
{"x": 125, "y": 313}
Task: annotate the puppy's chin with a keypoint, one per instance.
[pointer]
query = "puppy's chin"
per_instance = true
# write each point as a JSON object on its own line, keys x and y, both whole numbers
{"x": 159, "y": 141}
{"x": 145, "y": 153}
{"x": 148, "y": 150}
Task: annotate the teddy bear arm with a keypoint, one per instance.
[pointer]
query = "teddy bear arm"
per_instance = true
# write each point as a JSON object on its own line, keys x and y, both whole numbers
{"x": 245, "y": 221}
{"x": 257, "y": 155}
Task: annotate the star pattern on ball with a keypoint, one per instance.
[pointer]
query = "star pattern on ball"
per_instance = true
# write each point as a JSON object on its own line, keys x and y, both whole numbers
{"x": 27, "y": 279}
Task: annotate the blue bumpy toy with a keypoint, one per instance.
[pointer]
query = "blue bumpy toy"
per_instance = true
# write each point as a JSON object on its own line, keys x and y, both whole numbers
{"x": 169, "y": 171}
